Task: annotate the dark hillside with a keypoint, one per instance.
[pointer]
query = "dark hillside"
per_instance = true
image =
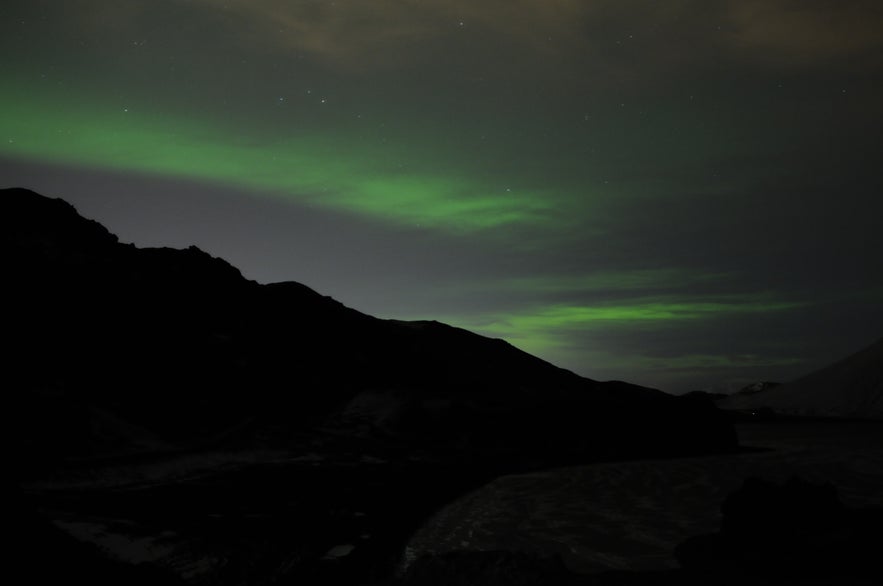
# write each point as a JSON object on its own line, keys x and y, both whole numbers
{"x": 177, "y": 349}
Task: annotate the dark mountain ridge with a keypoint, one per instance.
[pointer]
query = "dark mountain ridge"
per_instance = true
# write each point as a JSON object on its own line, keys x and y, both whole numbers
{"x": 851, "y": 387}
{"x": 176, "y": 349}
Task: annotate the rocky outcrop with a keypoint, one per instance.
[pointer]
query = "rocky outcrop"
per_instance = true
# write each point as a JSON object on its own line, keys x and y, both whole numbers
{"x": 489, "y": 568}
{"x": 38, "y": 552}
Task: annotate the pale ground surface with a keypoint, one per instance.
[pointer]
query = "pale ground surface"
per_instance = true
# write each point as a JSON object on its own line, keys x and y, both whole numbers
{"x": 631, "y": 515}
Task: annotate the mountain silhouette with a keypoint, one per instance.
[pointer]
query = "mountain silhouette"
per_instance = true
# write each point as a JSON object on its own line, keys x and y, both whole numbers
{"x": 120, "y": 350}
{"x": 852, "y": 387}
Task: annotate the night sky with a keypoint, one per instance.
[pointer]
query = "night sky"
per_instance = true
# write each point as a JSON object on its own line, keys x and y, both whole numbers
{"x": 685, "y": 194}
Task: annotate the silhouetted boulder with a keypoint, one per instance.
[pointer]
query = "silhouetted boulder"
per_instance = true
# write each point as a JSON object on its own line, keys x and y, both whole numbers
{"x": 788, "y": 514}
{"x": 796, "y": 529}
{"x": 488, "y": 568}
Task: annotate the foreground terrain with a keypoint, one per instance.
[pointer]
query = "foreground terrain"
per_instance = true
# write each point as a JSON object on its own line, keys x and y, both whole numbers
{"x": 170, "y": 413}
{"x": 316, "y": 519}
{"x": 632, "y": 515}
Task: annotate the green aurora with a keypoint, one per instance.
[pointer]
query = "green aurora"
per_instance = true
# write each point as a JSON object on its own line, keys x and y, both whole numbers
{"x": 678, "y": 195}
{"x": 313, "y": 168}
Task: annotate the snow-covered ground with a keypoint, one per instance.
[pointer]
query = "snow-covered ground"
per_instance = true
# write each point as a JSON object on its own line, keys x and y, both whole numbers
{"x": 631, "y": 515}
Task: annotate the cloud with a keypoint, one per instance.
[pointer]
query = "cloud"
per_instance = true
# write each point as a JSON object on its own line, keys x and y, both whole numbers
{"x": 683, "y": 372}
{"x": 385, "y": 32}
{"x": 542, "y": 328}
{"x": 628, "y": 39}
{"x": 595, "y": 32}
{"x": 805, "y": 32}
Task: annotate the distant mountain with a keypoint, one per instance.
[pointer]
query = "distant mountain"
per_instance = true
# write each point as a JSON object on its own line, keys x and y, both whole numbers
{"x": 757, "y": 387}
{"x": 122, "y": 350}
{"x": 852, "y": 387}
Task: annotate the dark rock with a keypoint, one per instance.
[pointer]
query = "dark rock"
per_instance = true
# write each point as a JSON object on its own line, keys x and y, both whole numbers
{"x": 770, "y": 515}
{"x": 798, "y": 529}
{"x": 38, "y": 552}
{"x": 488, "y": 568}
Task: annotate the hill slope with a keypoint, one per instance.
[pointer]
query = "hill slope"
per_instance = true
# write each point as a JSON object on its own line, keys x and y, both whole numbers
{"x": 122, "y": 350}
{"x": 852, "y": 387}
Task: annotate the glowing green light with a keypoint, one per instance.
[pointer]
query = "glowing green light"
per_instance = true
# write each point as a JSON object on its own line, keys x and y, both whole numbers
{"x": 612, "y": 281}
{"x": 544, "y": 330}
{"x": 309, "y": 167}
